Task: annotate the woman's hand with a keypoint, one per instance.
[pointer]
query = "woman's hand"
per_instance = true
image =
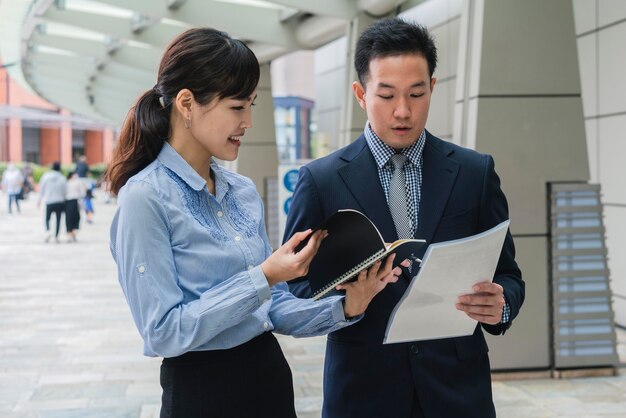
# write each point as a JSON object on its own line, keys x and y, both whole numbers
{"x": 286, "y": 264}
{"x": 369, "y": 283}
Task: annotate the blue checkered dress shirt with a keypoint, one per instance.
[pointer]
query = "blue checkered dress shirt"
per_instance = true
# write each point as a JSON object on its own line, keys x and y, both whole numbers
{"x": 412, "y": 169}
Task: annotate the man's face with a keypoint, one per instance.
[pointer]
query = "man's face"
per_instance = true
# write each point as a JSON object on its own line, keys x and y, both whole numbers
{"x": 396, "y": 98}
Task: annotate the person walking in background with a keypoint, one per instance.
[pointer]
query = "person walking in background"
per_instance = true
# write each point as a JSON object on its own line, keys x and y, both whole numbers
{"x": 412, "y": 185}
{"x": 52, "y": 190}
{"x": 82, "y": 168}
{"x": 204, "y": 287}
{"x": 12, "y": 182}
{"x": 88, "y": 199}
{"x": 27, "y": 172}
{"x": 75, "y": 192}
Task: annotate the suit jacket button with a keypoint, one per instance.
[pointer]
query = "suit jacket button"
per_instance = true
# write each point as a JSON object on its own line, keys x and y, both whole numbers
{"x": 414, "y": 349}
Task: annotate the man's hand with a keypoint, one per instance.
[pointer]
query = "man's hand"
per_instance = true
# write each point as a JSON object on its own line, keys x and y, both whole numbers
{"x": 485, "y": 304}
{"x": 369, "y": 283}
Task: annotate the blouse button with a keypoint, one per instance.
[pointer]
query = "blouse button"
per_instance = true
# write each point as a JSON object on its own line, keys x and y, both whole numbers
{"x": 237, "y": 238}
{"x": 220, "y": 213}
{"x": 141, "y": 269}
{"x": 266, "y": 325}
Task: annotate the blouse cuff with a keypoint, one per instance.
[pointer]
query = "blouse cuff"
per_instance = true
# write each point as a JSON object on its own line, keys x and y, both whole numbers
{"x": 260, "y": 283}
{"x": 339, "y": 316}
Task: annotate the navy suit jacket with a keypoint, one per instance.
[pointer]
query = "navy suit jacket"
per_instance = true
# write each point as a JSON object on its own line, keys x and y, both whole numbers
{"x": 460, "y": 196}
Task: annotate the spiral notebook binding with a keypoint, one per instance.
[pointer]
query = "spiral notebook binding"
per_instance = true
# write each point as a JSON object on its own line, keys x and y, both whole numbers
{"x": 354, "y": 270}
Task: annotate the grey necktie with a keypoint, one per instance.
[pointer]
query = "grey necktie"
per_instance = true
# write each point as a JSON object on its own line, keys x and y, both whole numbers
{"x": 398, "y": 198}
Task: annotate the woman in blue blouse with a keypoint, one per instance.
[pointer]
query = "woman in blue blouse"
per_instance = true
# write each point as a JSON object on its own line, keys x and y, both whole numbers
{"x": 193, "y": 259}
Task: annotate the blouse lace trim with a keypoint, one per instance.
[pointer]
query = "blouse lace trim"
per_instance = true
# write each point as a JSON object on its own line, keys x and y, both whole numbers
{"x": 197, "y": 203}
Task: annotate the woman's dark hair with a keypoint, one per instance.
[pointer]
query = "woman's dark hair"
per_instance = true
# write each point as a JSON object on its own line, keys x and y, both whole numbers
{"x": 206, "y": 61}
{"x": 391, "y": 37}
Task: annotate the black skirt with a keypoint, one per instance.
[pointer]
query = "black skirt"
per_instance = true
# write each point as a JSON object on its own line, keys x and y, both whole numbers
{"x": 251, "y": 380}
{"x": 72, "y": 215}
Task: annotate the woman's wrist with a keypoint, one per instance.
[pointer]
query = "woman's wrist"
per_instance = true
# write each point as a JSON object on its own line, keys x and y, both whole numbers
{"x": 266, "y": 268}
{"x": 350, "y": 312}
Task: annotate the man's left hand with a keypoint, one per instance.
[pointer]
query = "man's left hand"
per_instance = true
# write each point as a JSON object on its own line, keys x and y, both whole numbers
{"x": 485, "y": 304}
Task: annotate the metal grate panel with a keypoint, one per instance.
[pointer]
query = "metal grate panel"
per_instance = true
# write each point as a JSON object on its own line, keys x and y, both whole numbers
{"x": 583, "y": 331}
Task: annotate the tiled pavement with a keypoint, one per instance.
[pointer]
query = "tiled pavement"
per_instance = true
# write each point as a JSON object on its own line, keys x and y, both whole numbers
{"x": 69, "y": 349}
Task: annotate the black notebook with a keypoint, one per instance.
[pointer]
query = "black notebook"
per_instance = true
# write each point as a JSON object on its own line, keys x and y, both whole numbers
{"x": 353, "y": 244}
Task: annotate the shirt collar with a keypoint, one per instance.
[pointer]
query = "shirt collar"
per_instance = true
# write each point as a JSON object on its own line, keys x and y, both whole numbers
{"x": 221, "y": 180}
{"x": 382, "y": 152}
{"x": 175, "y": 162}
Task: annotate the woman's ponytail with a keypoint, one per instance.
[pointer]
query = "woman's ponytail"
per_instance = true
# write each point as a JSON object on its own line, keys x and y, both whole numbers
{"x": 143, "y": 134}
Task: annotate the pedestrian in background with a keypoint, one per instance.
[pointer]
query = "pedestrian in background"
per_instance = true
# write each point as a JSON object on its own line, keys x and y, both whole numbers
{"x": 88, "y": 199}
{"x": 27, "y": 172}
{"x": 74, "y": 194}
{"x": 12, "y": 182}
{"x": 52, "y": 190}
{"x": 82, "y": 168}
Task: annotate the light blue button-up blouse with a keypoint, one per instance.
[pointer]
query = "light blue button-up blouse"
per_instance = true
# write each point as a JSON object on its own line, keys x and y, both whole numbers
{"x": 189, "y": 263}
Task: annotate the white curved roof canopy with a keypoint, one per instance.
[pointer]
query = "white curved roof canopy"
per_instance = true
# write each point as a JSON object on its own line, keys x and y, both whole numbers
{"x": 94, "y": 57}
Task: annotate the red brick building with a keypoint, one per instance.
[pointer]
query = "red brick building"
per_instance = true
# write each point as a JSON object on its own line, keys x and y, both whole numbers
{"x": 31, "y": 129}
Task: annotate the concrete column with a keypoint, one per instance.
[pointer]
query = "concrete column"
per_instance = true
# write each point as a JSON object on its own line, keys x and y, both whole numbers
{"x": 93, "y": 146}
{"x": 14, "y": 140}
{"x": 353, "y": 117}
{"x": 65, "y": 147}
{"x": 49, "y": 145}
{"x": 518, "y": 98}
{"x": 258, "y": 157}
{"x": 4, "y": 141}
{"x": 108, "y": 143}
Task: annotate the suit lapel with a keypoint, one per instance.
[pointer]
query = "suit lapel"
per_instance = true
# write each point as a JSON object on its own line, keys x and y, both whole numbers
{"x": 438, "y": 176}
{"x": 439, "y": 173}
{"x": 360, "y": 175}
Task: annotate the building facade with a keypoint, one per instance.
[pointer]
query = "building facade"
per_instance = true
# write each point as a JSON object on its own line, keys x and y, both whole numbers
{"x": 33, "y": 130}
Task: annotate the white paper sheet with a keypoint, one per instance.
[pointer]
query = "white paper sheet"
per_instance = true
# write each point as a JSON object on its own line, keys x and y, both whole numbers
{"x": 449, "y": 269}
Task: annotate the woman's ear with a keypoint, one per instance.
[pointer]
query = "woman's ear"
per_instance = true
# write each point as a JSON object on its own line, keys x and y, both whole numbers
{"x": 184, "y": 102}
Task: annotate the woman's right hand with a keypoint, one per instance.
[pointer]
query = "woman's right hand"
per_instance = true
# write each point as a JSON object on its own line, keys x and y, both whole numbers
{"x": 286, "y": 264}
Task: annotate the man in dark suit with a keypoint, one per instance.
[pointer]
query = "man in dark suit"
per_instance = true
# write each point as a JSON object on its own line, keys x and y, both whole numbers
{"x": 450, "y": 192}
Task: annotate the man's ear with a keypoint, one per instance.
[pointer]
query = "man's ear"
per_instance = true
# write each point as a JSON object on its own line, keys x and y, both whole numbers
{"x": 359, "y": 93}
{"x": 433, "y": 80}
{"x": 184, "y": 102}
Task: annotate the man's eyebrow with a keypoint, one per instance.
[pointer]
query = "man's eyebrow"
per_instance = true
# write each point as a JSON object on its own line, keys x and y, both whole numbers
{"x": 389, "y": 86}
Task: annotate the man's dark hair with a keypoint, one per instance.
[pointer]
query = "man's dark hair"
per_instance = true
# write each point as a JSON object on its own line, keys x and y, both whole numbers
{"x": 391, "y": 37}
{"x": 56, "y": 166}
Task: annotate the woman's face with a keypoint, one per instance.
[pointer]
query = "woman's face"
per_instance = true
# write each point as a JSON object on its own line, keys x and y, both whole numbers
{"x": 219, "y": 126}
